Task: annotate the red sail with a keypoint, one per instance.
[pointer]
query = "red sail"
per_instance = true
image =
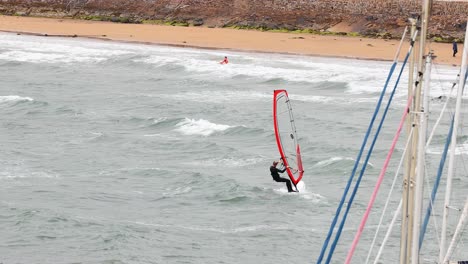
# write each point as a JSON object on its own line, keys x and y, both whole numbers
{"x": 286, "y": 135}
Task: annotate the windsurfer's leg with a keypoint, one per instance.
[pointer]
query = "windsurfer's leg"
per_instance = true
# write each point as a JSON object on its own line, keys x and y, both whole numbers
{"x": 288, "y": 183}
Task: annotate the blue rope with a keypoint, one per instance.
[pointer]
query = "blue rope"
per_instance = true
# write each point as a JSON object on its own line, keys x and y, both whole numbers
{"x": 436, "y": 185}
{"x": 356, "y": 164}
{"x": 369, "y": 153}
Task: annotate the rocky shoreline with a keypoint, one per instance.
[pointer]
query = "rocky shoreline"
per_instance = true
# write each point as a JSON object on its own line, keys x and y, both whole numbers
{"x": 378, "y": 18}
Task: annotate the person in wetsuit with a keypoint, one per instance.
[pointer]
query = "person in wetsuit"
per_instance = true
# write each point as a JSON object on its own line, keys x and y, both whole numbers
{"x": 454, "y": 48}
{"x": 225, "y": 61}
{"x": 276, "y": 177}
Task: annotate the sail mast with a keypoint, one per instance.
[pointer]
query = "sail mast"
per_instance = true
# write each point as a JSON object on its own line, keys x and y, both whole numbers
{"x": 409, "y": 154}
{"x": 420, "y": 169}
{"x": 408, "y": 242}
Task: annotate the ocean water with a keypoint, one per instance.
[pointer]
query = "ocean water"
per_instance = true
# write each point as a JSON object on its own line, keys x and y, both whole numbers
{"x": 131, "y": 153}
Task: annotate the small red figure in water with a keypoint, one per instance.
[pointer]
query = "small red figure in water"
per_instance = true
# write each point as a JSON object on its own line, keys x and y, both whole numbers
{"x": 225, "y": 61}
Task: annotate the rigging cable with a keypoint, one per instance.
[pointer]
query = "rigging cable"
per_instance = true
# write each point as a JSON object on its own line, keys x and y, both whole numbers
{"x": 363, "y": 145}
{"x": 358, "y": 181}
{"x": 382, "y": 171}
{"x": 436, "y": 184}
{"x": 390, "y": 194}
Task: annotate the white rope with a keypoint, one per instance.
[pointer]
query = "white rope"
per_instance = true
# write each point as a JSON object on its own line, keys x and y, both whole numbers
{"x": 429, "y": 141}
{"x": 433, "y": 216}
{"x": 389, "y": 231}
{"x": 458, "y": 232}
{"x": 442, "y": 112}
{"x": 388, "y": 198}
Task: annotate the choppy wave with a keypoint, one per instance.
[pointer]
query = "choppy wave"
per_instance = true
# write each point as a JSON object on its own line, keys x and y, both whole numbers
{"x": 35, "y": 49}
{"x": 244, "y": 130}
{"x": 304, "y": 193}
{"x": 160, "y": 60}
{"x": 15, "y": 98}
{"x": 229, "y": 162}
{"x": 243, "y": 229}
{"x": 460, "y": 149}
{"x": 337, "y": 160}
{"x": 221, "y": 97}
{"x": 205, "y": 62}
{"x": 42, "y": 57}
{"x": 312, "y": 98}
{"x": 199, "y": 127}
{"x": 217, "y": 97}
{"x": 18, "y": 173}
{"x": 21, "y": 104}
{"x": 166, "y": 137}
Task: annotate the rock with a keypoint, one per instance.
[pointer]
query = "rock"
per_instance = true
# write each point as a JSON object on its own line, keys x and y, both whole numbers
{"x": 401, "y": 22}
{"x": 197, "y": 22}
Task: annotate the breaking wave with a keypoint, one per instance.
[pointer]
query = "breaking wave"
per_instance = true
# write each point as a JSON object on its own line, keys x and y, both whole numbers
{"x": 199, "y": 127}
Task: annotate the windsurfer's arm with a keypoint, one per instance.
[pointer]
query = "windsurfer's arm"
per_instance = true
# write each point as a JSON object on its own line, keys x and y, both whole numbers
{"x": 293, "y": 170}
{"x": 281, "y": 170}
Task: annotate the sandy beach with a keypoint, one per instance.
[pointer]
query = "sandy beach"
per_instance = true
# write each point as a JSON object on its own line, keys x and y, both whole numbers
{"x": 221, "y": 38}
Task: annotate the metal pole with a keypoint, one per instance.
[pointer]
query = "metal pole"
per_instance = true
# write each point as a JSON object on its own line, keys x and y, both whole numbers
{"x": 426, "y": 8}
{"x": 420, "y": 171}
{"x": 406, "y": 180}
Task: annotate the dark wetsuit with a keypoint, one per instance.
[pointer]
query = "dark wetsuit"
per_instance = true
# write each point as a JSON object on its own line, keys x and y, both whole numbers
{"x": 275, "y": 174}
{"x": 455, "y": 48}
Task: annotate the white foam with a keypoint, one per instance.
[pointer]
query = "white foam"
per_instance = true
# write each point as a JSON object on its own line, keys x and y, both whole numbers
{"x": 199, "y": 127}
{"x": 221, "y": 97}
{"x": 42, "y": 57}
{"x": 333, "y": 160}
{"x": 273, "y": 66}
{"x": 36, "y": 49}
{"x": 165, "y": 136}
{"x": 242, "y": 229}
{"x": 303, "y": 193}
{"x": 315, "y": 198}
{"x": 18, "y": 174}
{"x": 14, "y": 98}
{"x": 361, "y": 76}
{"x": 217, "y": 96}
{"x": 159, "y": 60}
{"x": 159, "y": 120}
{"x": 460, "y": 149}
{"x": 312, "y": 98}
{"x": 177, "y": 191}
{"x": 228, "y": 162}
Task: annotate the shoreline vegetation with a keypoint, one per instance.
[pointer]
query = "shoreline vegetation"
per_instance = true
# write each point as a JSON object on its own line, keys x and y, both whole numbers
{"x": 234, "y": 38}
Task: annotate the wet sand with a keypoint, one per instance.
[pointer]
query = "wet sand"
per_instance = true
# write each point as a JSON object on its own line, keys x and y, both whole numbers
{"x": 223, "y": 38}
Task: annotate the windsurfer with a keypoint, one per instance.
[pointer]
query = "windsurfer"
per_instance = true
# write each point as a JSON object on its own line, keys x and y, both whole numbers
{"x": 276, "y": 177}
{"x": 225, "y": 61}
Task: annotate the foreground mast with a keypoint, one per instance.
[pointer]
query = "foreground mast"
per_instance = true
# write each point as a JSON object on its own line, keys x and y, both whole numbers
{"x": 412, "y": 195}
{"x": 414, "y": 179}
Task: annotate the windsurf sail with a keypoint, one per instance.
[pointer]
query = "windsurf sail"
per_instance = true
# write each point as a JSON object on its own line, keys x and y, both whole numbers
{"x": 286, "y": 136}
